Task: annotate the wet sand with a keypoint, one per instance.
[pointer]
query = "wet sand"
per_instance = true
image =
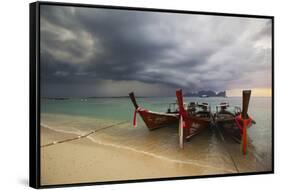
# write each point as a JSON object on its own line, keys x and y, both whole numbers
{"x": 123, "y": 152}
{"x": 82, "y": 161}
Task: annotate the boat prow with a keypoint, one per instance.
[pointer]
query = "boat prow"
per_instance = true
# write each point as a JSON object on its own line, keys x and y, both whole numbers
{"x": 153, "y": 120}
{"x": 193, "y": 120}
{"x": 235, "y": 124}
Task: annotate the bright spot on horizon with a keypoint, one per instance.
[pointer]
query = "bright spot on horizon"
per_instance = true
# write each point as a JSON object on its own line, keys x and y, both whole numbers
{"x": 256, "y": 92}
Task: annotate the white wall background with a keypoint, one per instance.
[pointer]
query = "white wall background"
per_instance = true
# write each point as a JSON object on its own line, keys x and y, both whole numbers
{"x": 14, "y": 73}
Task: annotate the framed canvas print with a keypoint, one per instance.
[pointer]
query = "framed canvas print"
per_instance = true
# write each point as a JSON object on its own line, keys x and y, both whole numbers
{"x": 122, "y": 94}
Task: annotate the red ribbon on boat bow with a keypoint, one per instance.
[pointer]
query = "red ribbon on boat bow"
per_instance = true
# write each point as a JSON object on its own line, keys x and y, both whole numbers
{"x": 245, "y": 122}
{"x": 184, "y": 116}
{"x": 243, "y": 130}
{"x": 139, "y": 109}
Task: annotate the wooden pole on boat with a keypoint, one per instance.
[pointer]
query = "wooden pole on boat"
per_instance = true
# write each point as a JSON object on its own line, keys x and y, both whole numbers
{"x": 133, "y": 99}
{"x": 181, "y": 136}
{"x": 183, "y": 124}
{"x": 245, "y": 103}
{"x": 245, "y": 106}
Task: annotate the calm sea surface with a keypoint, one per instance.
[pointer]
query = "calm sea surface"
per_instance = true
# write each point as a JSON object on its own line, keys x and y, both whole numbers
{"x": 207, "y": 149}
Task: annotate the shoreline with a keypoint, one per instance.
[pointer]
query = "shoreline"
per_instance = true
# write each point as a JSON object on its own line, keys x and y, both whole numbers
{"x": 82, "y": 161}
{"x": 83, "y": 153}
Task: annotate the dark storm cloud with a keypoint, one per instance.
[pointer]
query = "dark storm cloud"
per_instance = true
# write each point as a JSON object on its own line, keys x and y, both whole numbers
{"x": 104, "y": 48}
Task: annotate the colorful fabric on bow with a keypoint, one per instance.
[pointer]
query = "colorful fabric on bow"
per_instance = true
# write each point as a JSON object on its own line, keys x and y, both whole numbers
{"x": 240, "y": 122}
{"x": 138, "y": 110}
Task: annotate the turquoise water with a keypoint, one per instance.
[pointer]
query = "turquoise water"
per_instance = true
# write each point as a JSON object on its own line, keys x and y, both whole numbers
{"x": 78, "y": 114}
{"x": 122, "y": 108}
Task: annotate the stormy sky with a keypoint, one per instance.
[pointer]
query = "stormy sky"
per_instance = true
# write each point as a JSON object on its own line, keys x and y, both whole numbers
{"x": 102, "y": 52}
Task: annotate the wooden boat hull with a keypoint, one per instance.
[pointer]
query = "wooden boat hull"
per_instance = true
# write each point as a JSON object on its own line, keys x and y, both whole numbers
{"x": 191, "y": 122}
{"x": 228, "y": 126}
{"x": 229, "y": 129}
{"x": 197, "y": 125}
{"x": 235, "y": 124}
{"x": 154, "y": 120}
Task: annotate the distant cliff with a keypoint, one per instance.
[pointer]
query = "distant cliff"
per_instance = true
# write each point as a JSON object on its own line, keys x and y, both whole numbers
{"x": 221, "y": 94}
{"x": 206, "y": 93}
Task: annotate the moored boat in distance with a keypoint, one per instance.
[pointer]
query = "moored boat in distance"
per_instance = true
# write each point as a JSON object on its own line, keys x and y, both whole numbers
{"x": 154, "y": 120}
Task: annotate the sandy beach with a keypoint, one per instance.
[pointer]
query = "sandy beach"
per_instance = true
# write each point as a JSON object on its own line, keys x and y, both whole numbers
{"x": 124, "y": 152}
{"x": 82, "y": 160}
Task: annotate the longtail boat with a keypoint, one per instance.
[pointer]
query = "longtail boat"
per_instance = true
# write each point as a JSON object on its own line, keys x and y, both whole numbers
{"x": 193, "y": 119}
{"x": 235, "y": 123}
{"x": 154, "y": 120}
{"x": 200, "y": 114}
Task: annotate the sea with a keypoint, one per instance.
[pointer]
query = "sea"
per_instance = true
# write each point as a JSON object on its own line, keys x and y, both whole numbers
{"x": 215, "y": 153}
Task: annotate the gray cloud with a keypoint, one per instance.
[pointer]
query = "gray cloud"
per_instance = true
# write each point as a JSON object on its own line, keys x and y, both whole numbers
{"x": 86, "y": 51}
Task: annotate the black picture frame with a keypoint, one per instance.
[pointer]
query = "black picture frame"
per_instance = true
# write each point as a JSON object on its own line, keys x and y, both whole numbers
{"x": 34, "y": 91}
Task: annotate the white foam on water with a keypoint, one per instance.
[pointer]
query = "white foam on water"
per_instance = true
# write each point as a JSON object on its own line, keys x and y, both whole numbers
{"x": 190, "y": 162}
{"x": 73, "y": 131}
{"x": 94, "y": 140}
